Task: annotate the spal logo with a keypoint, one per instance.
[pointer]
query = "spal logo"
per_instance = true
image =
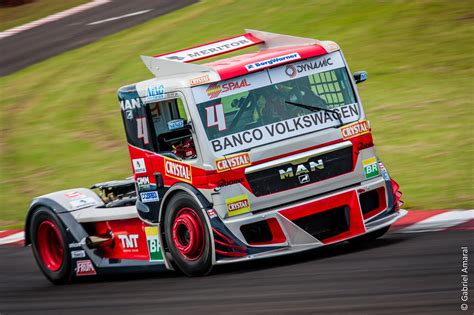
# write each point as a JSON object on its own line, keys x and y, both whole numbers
{"x": 153, "y": 243}
{"x": 371, "y": 167}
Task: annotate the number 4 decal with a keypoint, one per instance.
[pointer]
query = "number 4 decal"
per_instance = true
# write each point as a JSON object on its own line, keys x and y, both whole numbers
{"x": 142, "y": 129}
{"x": 215, "y": 116}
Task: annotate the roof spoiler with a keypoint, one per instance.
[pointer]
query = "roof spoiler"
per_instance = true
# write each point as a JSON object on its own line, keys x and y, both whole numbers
{"x": 177, "y": 62}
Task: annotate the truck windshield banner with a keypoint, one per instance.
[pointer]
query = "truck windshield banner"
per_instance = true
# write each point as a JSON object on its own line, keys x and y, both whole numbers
{"x": 284, "y": 129}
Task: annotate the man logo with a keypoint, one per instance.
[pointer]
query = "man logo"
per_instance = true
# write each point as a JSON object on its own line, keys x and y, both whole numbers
{"x": 301, "y": 170}
{"x": 303, "y": 179}
{"x": 290, "y": 71}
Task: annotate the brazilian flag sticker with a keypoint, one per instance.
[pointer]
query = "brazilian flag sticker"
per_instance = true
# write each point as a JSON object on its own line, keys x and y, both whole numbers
{"x": 371, "y": 167}
{"x": 153, "y": 243}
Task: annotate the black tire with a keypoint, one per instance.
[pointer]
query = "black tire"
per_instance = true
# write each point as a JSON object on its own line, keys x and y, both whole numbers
{"x": 197, "y": 262}
{"x": 370, "y": 237}
{"x": 46, "y": 217}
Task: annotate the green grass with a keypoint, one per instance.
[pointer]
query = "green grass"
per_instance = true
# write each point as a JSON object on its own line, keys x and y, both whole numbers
{"x": 15, "y": 16}
{"x": 61, "y": 125}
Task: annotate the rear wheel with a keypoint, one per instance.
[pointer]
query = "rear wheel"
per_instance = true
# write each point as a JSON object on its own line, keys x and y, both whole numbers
{"x": 187, "y": 235}
{"x": 370, "y": 237}
{"x": 48, "y": 238}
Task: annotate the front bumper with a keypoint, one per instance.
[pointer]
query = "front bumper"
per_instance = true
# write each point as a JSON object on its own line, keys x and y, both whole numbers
{"x": 315, "y": 222}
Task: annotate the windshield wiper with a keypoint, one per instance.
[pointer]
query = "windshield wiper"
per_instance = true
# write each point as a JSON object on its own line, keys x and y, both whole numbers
{"x": 315, "y": 108}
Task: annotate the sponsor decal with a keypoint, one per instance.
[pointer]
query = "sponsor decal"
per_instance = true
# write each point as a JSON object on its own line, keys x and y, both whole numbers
{"x": 83, "y": 203}
{"x": 362, "y": 146}
{"x": 175, "y": 124}
{"x": 214, "y": 89}
{"x": 237, "y": 205}
{"x": 74, "y": 195}
{"x": 301, "y": 169}
{"x": 143, "y": 183}
{"x": 129, "y": 114}
{"x": 271, "y": 62}
{"x": 199, "y": 80}
{"x": 149, "y": 196}
{"x": 139, "y": 165}
{"x": 80, "y": 244}
{"x": 212, "y": 213}
{"x": 85, "y": 268}
{"x": 208, "y": 50}
{"x": 155, "y": 93}
{"x": 129, "y": 242}
{"x": 384, "y": 172}
{"x": 371, "y": 167}
{"x": 291, "y": 71}
{"x": 178, "y": 170}
{"x": 232, "y": 162}
{"x": 282, "y": 130}
{"x": 130, "y": 104}
{"x": 78, "y": 200}
{"x": 154, "y": 249}
{"x": 227, "y": 182}
{"x": 78, "y": 254}
{"x": 306, "y": 67}
{"x": 355, "y": 129}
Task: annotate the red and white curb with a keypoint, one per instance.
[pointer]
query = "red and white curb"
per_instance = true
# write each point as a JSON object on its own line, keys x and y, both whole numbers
{"x": 434, "y": 220}
{"x": 51, "y": 18}
{"x": 414, "y": 222}
{"x": 12, "y": 237}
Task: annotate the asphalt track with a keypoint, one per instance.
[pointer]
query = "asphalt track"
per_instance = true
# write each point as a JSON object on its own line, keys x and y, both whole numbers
{"x": 31, "y": 46}
{"x": 417, "y": 273}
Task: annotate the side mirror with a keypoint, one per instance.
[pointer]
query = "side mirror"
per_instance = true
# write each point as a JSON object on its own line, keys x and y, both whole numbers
{"x": 360, "y": 76}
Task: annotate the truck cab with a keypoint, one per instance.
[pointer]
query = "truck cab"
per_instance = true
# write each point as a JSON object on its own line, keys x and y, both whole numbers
{"x": 273, "y": 145}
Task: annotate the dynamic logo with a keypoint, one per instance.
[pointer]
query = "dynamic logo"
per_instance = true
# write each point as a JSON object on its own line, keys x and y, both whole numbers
{"x": 232, "y": 162}
{"x": 308, "y": 66}
{"x": 291, "y": 71}
{"x": 237, "y": 205}
{"x": 355, "y": 129}
{"x": 301, "y": 169}
{"x": 215, "y": 89}
{"x": 178, "y": 170}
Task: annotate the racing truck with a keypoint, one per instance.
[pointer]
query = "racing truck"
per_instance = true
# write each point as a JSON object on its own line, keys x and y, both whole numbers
{"x": 257, "y": 155}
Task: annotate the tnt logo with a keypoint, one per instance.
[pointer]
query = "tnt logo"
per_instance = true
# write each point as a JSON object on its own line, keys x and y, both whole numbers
{"x": 129, "y": 241}
{"x": 213, "y": 90}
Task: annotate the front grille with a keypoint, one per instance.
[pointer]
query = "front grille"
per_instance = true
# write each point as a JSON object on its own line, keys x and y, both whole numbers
{"x": 269, "y": 181}
{"x": 326, "y": 224}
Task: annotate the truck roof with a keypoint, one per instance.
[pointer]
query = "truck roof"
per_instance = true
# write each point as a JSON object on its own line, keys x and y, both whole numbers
{"x": 275, "y": 49}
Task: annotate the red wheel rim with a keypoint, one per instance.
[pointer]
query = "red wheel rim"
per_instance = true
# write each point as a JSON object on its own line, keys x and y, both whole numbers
{"x": 50, "y": 245}
{"x": 188, "y": 234}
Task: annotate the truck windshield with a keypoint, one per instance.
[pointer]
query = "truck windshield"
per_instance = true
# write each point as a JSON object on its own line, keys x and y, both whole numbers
{"x": 260, "y": 108}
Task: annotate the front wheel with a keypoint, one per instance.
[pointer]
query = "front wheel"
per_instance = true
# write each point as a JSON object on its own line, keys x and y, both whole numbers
{"x": 48, "y": 238}
{"x": 187, "y": 235}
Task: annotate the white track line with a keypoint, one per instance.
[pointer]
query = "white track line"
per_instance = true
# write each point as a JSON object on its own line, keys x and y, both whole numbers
{"x": 20, "y": 236}
{"x": 120, "y": 17}
{"x": 51, "y": 18}
{"x": 439, "y": 222}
